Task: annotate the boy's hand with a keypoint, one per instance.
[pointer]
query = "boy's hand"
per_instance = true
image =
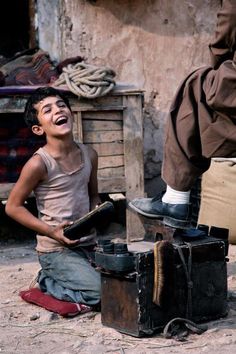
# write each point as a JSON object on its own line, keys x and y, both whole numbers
{"x": 95, "y": 203}
{"x": 58, "y": 234}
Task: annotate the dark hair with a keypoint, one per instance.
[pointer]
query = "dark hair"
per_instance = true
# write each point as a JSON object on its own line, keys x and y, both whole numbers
{"x": 30, "y": 113}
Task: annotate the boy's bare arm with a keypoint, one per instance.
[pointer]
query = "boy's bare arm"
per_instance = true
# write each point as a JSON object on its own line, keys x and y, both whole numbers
{"x": 32, "y": 173}
{"x": 93, "y": 182}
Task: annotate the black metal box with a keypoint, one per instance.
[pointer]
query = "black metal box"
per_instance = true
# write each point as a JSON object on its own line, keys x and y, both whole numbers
{"x": 127, "y": 298}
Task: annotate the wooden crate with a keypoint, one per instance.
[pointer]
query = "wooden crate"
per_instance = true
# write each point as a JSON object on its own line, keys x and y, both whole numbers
{"x": 113, "y": 126}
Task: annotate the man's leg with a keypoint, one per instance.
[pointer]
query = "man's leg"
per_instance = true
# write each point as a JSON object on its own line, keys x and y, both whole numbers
{"x": 183, "y": 161}
{"x": 68, "y": 275}
{"x": 201, "y": 125}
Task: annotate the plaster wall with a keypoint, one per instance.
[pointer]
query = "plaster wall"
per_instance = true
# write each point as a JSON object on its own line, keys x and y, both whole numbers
{"x": 152, "y": 44}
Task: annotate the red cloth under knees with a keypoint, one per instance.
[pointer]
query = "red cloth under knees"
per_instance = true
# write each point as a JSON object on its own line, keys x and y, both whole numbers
{"x": 63, "y": 308}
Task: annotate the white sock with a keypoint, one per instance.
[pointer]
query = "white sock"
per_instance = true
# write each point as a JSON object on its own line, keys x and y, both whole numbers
{"x": 172, "y": 196}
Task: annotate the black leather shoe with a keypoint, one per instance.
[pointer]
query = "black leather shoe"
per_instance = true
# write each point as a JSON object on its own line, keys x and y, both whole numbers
{"x": 174, "y": 215}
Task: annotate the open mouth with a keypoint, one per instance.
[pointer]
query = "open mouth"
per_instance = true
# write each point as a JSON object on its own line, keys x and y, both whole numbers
{"x": 61, "y": 121}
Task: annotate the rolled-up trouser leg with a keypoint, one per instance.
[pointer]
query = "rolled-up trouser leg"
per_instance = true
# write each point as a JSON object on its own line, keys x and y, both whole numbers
{"x": 181, "y": 164}
{"x": 183, "y": 160}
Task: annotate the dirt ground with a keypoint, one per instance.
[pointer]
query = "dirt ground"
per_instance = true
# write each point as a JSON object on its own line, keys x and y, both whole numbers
{"x": 27, "y": 329}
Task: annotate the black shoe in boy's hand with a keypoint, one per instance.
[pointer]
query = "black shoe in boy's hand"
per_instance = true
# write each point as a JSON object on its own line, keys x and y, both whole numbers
{"x": 95, "y": 218}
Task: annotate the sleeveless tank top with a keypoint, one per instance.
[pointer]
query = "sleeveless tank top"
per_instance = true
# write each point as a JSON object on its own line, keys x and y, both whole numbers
{"x": 62, "y": 195}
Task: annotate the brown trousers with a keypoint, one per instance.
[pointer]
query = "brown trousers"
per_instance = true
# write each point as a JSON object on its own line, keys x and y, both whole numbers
{"x": 202, "y": 118}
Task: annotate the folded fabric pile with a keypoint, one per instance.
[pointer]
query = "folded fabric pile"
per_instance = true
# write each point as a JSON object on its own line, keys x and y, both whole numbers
{"x": 32, "y": 67}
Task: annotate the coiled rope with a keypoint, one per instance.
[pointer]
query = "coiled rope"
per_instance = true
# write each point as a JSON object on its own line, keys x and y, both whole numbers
{"x": 87, "y": 80}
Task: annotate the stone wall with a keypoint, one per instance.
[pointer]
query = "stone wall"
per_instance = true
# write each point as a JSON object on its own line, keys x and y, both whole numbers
{"x": 152, "y": 44}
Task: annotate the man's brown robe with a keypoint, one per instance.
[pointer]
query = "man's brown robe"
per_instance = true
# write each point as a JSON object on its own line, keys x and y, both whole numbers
{"x": 202, "y": 117}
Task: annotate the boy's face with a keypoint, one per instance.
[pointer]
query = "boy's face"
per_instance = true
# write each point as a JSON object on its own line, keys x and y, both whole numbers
{"x": 55, "y": 118}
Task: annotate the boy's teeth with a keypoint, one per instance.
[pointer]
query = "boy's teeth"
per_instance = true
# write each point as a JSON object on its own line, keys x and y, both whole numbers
{"x": 61, "y": 121}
